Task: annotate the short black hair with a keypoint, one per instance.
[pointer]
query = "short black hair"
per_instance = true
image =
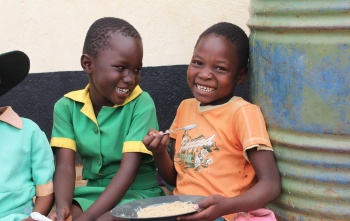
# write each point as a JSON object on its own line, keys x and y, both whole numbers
{"x": 98, "y": 35}
{"x": 235, "y": 35}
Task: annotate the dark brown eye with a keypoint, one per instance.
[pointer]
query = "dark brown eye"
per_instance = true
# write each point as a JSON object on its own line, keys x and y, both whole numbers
{"x": 196, "y": 63}
{"x": 120, "y": 68}
{"x": 137, "y": 70}
{"x": 219, "y": 68}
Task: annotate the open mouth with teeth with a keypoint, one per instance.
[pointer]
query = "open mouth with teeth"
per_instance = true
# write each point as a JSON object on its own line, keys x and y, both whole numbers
{"x": 205, "y": 89}
{"x": 123, "y": 91}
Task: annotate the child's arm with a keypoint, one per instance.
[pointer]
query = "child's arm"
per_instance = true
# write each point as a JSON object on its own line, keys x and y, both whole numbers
{"x": 116, "y": 189}
{"x": 264, "y": 191}
{"x": 43, "y": 204}
{"x": 157, "y": 143}
{"x": 64, "y": 183}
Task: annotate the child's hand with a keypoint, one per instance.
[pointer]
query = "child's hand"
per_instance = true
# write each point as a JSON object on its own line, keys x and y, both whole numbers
{"x": 61, "y": 215}
{"x": 210, "y": 208}
{"x": 156, "y": 141}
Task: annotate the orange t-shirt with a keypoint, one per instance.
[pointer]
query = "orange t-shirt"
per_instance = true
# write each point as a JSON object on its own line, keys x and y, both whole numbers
{"x": 211, "y": 158}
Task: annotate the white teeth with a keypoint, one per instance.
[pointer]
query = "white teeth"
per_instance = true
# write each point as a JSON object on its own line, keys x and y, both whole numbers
{"x": 124, "y": 91}
{"x": 206, "y": 89}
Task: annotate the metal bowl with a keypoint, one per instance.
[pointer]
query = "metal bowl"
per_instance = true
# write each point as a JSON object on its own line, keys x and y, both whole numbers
{"x": 129, "y": 210}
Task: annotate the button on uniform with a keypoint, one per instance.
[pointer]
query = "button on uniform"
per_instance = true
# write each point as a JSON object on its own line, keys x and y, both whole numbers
{"x": 95, "y": 130}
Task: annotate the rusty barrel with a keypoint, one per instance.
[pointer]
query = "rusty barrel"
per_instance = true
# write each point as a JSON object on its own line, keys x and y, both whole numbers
{"x": 300, "y": 77}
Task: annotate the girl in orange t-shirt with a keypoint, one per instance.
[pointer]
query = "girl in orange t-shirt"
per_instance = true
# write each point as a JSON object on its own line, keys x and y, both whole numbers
{"x": 228, "y": 157}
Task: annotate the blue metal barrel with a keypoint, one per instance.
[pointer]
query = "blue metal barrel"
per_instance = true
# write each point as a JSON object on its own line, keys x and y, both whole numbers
{"x": 300, "y": 77}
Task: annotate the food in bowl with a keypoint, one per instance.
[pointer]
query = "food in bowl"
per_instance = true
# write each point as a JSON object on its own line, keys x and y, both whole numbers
{"x": 166, "y": 209}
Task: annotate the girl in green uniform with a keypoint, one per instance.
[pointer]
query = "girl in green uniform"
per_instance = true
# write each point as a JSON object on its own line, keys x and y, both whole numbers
{"x": 105, "y": 124}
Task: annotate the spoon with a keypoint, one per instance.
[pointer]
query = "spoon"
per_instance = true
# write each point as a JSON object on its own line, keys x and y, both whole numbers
{"x": 37, "y": 216}
{"x": 188, "y": 127}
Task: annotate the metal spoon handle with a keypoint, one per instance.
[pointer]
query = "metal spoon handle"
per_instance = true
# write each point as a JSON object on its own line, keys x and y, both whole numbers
{"x": 170, "y": 131}
{"x": 188, "y": 127}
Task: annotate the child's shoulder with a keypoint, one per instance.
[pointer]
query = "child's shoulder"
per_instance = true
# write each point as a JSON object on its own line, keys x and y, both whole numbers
{"x": 29, "y": 124}
{"x": 77, "y": 95}
{"x": 72, "y": 97}
{"x": 12, "y": 118}
{"x": 240, "y": 102}
{"x": 145, "y": 96}
{"x": 238, "y": 105}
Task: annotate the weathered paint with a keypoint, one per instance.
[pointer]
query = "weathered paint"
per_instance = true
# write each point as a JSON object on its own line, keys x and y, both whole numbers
{"x": 315, "y": 175}
{"x": 300, "y": 77}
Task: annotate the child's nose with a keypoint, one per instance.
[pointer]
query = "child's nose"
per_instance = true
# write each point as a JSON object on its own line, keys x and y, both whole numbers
{"x": 206, "y": 73}
{"x": 129, "y": 77}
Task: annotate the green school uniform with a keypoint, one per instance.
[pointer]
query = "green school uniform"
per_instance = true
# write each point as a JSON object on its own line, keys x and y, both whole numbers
{"x": 102, "y": 141}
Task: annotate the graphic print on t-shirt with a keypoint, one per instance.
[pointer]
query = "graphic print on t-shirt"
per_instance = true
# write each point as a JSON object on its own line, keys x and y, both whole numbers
{"x": 195, "y": 152}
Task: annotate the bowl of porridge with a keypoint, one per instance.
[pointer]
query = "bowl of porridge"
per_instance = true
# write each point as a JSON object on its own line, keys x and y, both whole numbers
{"x": 163, "y": 208}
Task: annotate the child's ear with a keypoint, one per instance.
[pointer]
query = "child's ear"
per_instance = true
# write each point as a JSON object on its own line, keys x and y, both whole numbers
{"x": 242, "y": 76}
{"x": 86, "y": 63}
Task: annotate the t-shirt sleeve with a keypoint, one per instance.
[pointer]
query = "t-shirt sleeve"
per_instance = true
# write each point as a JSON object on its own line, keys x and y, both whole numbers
{"x": 175, "y": 122}
{"x": 62, "y": 130}
{"x": 144, "y": 117}
{"x": 42, "y": 163}
{"x": 251, "y": 128}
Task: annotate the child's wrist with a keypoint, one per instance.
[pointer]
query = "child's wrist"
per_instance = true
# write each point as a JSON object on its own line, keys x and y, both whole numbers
{"x": 159, "y": 153}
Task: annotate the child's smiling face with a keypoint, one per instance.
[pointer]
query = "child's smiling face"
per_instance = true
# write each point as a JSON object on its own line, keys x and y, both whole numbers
{"x": 115, "y": 72}
{"x": 214, "y": 70}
